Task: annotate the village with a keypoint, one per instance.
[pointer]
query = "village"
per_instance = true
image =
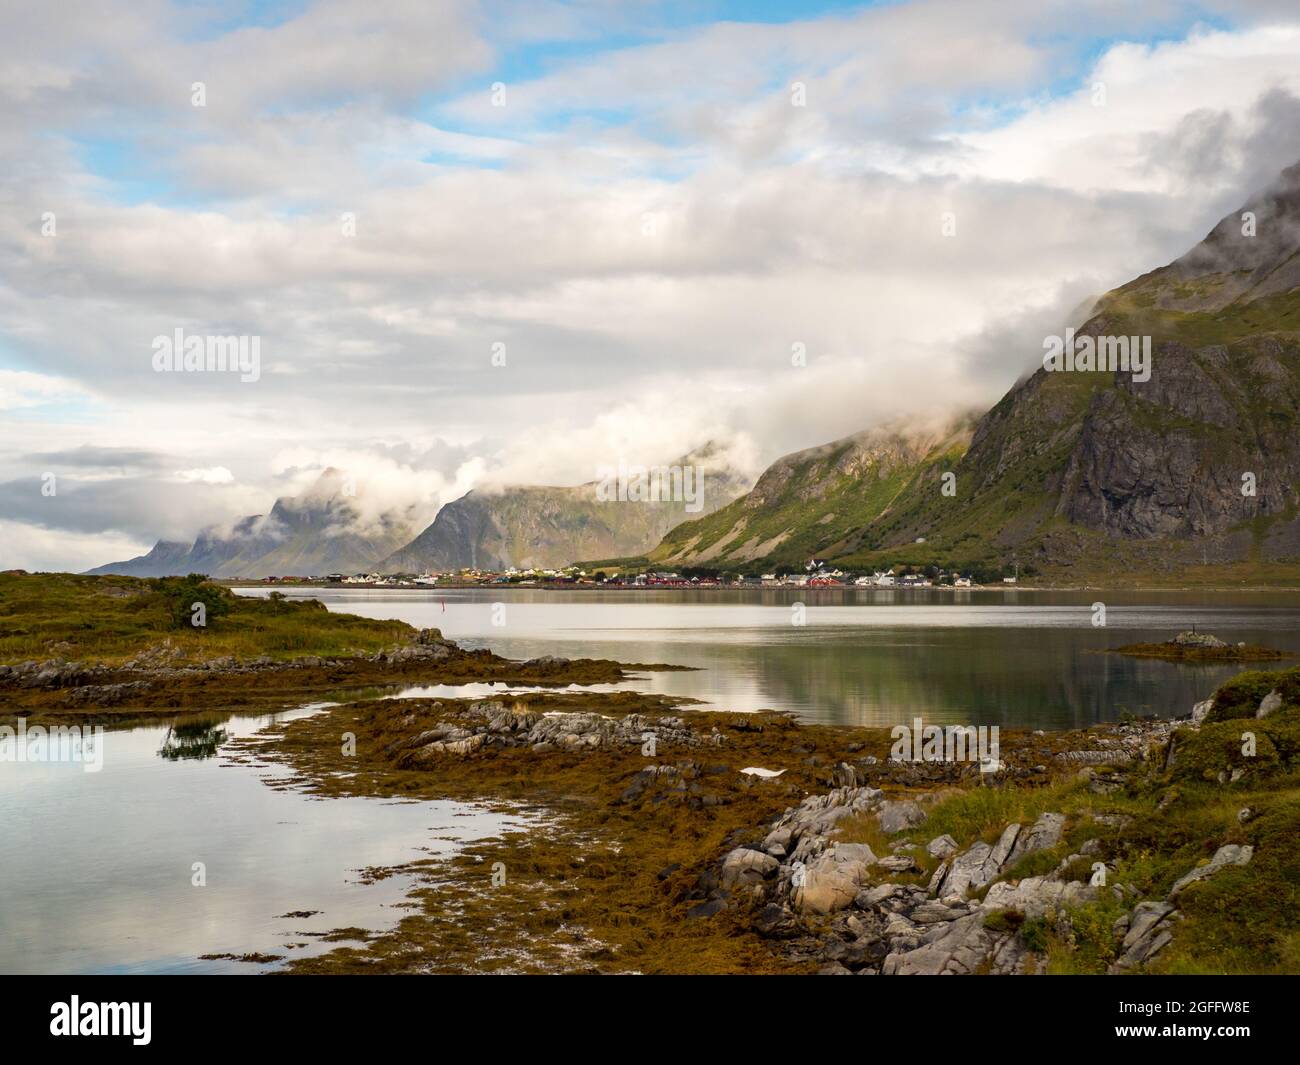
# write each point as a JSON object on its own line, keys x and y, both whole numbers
{"x": 815, "y": 574}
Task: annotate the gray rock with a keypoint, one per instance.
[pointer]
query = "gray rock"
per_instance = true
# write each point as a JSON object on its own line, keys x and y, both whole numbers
{"x": 744, "y": 866}
{"x": 831, "y": 882}
{"x": 1035, "y": 895}
{"x": 934, "y": 912}
{"x": 1229, "y": 854}
{"x": 941, "y": 846}
{"x": 869, "y": 897}
{"x": 1149, "y": 930}
{"x": 965, "y": 868}
{"x": 997, "y": 859}
{"x": 957, "y": 947}
{"x": 1043, "y": 834}
{"x": 1201, "y": 711}
{"x": 1271, "y": 702}
{"x": 897, "y": 816}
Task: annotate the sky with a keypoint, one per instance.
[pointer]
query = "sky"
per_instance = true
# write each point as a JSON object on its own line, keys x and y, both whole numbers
{"x": 487, "y": 243}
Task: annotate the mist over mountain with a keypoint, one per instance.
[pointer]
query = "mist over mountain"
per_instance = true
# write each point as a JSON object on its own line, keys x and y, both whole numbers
{"x": 537, "y": 526}
{"x": 1086, "y": 470}
{"x": 322, "y": 530}
{"x": 326, "y": 530}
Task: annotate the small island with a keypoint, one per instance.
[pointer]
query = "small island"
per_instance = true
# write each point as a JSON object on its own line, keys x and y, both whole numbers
{"x": 1201, "y": 647}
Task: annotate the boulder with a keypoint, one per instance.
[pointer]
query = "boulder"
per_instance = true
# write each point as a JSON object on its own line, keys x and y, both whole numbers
{"x": 1043, "y": 834}
{"x": 897, "y": 816}
{"x": 958, "y": 947}
{"x": 1035, "y": 895}
{"x": 1271, "y": 702}
{"x": 965, "y": 868}
{"x": 1229, "y": 854}
{"x": 831, "y": 882}
{"x": 743, "y": 866}
{"x": 941, "y": 846}
{"x": 1149, "y": 930}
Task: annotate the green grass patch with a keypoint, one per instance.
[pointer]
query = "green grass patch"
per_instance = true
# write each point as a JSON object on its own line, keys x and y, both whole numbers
{"x": 111, "y": 619}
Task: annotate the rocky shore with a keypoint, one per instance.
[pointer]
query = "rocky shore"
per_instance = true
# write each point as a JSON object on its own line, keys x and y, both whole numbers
{"x": 164, "y": 678}
{"x": 708, "y": 842}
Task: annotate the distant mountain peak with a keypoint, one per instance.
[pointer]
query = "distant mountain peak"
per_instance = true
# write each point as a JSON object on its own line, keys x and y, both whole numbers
{"x": 319, "y": 531}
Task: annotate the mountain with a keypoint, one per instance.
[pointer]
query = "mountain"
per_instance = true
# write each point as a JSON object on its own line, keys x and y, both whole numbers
{"x": 320, "y": 531}
{"x": 813, "y": 502}
{"x": 1082, "y": 472}
{"x": 548, "y": 527}
{"x": 165, "y": 559}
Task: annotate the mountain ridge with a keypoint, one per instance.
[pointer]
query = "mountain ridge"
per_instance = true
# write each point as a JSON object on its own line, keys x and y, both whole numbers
{"x": 1071, "y": 464}
{"x": 527, "y": 526}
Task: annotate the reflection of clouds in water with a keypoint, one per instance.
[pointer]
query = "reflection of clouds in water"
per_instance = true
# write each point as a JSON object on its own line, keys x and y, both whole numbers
{"x": 1017, "y": 658}
{"x": 95, "y": 869}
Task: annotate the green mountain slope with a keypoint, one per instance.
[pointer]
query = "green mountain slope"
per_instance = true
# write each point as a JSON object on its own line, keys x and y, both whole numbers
{"x": 814, "y": 502}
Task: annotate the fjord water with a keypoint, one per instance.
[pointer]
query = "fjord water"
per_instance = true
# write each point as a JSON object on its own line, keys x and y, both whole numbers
{"x": 96, "y": 868}
{"x": 1016, "y": 658}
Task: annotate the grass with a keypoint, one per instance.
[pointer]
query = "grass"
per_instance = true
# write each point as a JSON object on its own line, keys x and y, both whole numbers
{"x": 1241, "y": 920}
{"x": 1182, "y": 653}
{"x": 111, "y": 619}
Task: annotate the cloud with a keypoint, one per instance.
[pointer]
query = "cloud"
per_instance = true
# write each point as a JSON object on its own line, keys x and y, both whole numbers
{"x": 212, "y": 475}
{"x": 20, "y": 388}
{"x": 39, "y": 549}
{"x": 619, "y": 262}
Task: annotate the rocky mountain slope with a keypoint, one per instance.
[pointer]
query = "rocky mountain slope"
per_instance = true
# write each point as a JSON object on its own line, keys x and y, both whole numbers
{"x": 814, "y": 502}
{"x": 526, "y": 526}
{"x": 1086, "y": 471}
{"x": 320, "y": 531}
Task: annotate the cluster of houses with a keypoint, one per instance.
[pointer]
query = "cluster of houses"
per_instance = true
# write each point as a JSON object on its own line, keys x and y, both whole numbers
{"x": 815, "y": 575}
{"x": 878, "y": 579}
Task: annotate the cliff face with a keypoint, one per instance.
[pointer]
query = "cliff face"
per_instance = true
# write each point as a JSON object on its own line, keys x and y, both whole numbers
{"x": 1168, "y": 458}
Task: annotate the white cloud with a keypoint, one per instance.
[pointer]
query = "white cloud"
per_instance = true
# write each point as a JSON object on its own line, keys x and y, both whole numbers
{"x": 21, "y": 388}
{"x": 211, "y": 475}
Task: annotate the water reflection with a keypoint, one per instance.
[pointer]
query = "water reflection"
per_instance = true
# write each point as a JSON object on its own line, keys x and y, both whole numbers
{"x": 194, "y": 738}
{"x": 97, "y": 869}
{"x": 872, "y": 657}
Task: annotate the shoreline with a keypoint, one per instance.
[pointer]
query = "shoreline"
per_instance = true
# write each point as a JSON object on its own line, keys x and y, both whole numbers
{"x": 664, "y": 856}
{"x": 256, "y": 585}
{"x": 697, "y": 840}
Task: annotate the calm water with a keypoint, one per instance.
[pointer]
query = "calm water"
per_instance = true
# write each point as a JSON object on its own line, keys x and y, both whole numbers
{"x": 872, "y": 657}
{"x": 96, "y": 868}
